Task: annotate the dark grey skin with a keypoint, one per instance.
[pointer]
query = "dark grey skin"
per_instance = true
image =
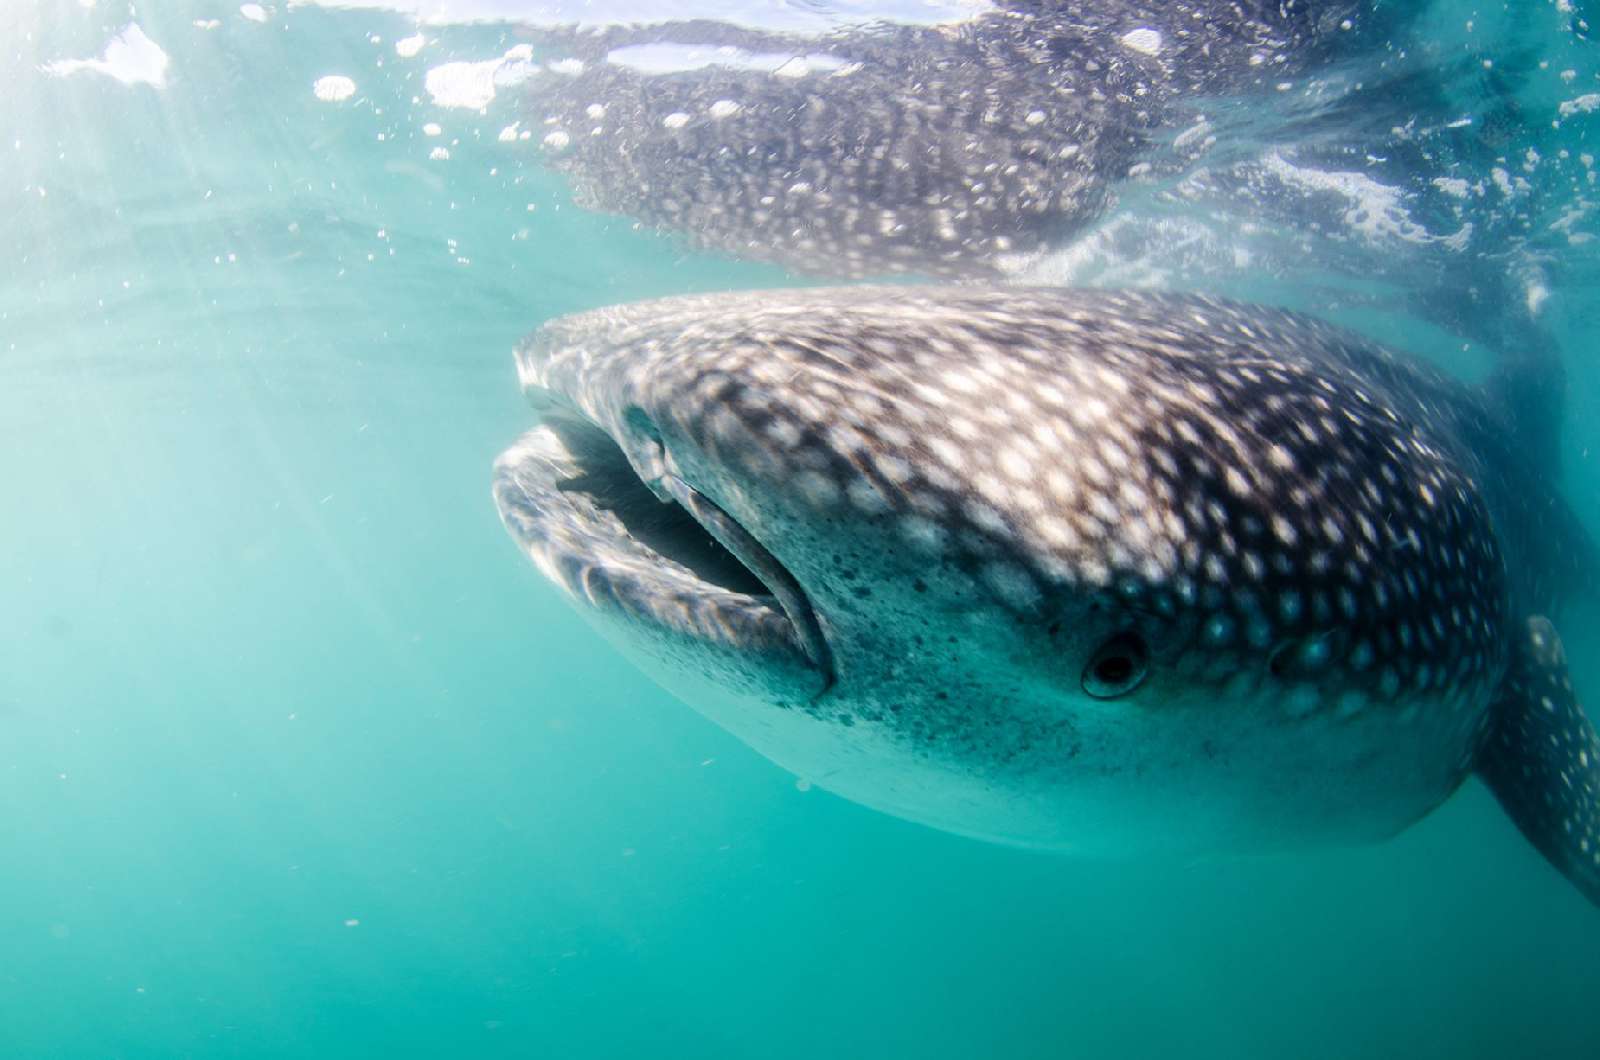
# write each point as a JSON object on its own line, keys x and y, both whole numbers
{"x": 1071, "y": 569}
{"x": 958, "y": 152}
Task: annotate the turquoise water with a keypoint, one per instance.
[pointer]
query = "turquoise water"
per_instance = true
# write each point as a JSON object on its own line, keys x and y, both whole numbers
{"x": 299, "y": 757}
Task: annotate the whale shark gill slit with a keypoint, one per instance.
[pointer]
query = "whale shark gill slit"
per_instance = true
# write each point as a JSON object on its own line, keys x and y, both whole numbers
{"x": 665, "y": 528}
{"x": 764, "y": 566}
{"x": 688, "y": 528}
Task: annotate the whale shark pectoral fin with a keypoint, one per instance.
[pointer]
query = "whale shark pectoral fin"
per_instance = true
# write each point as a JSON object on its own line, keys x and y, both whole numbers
{"x": 1541, "y": 757}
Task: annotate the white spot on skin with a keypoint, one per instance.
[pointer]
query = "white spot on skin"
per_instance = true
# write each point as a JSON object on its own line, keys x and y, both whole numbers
{"x": 676, "y": 120}
{"x": 1301, "y": 700}
{"x": 866, "y": 498}
{"x": 557, "y": 140}
{"x": 1012, "y": 584}
{"x": 408, "y": 47}
{"x": 1144, "y": 40}
{"x": 986, "y": 518}
{"x": 924, "y": 534}
{"x": 1017, "y": 464}
{"x": 253, "y": 12}
{"x": 1094, "y": 572}
{"x": 1351, "y": 702}
{"x": 959, "y": 382}
{"x": 818, "y": 490}
{"x": 992, "y": 488}
{"x": 1218, "y": 629}
{"x": 1056, "y": 532}
{"x": 1061, "y": 485}
{"x": 1289, "y": 609}
{"x": 892, "y": 467}
{"x": 948, "y": 454}
{"x": 723, "y": 108}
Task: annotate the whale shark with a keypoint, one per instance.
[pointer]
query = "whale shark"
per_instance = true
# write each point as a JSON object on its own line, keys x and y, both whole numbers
{"x": 955, "y": 151}
{"x": 1086, "y": 570}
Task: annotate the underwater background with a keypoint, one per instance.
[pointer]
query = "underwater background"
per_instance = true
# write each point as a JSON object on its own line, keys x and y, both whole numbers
{"x": 299, "y": 757}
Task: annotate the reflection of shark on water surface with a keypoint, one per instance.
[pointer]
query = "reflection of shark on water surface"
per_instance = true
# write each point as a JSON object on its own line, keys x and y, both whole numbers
{"x": 1072, "y": 569}
{"x": 956, "y": 151}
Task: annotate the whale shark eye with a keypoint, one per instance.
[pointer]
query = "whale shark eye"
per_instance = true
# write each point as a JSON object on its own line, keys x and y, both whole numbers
{"x": 1117, "y": 667}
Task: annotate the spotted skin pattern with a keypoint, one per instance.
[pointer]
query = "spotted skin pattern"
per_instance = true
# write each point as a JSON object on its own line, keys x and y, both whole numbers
{"x": 946, "y": 151}
{"x": 1542, "y": 759}
{"x": 1323, "y": 545}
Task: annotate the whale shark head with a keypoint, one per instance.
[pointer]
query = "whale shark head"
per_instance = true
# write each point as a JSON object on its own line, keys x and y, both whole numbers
{"x": 1064, "y": 569}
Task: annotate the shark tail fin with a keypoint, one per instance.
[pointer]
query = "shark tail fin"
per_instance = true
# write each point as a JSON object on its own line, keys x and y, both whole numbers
{"x": 1541, "y": 757}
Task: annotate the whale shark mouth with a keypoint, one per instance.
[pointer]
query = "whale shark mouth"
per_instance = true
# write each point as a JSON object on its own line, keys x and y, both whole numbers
{"x": 568, "y": 494}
